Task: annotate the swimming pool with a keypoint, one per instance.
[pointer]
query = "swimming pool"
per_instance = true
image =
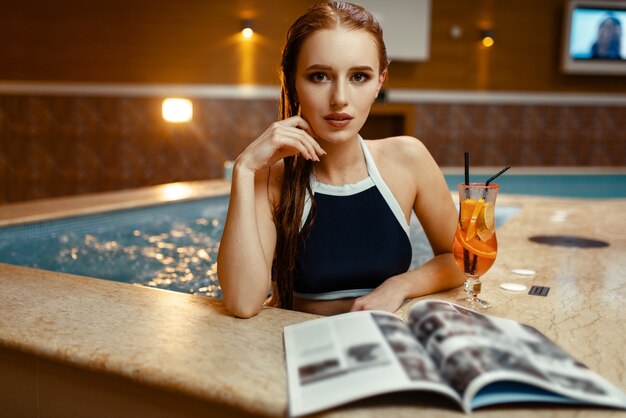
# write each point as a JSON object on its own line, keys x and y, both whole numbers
{"x": 579, "y": 185}
{"x": 170, "y": 246}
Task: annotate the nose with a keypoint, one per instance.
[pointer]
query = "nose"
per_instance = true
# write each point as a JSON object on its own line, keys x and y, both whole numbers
{"x": 339, "y": 96}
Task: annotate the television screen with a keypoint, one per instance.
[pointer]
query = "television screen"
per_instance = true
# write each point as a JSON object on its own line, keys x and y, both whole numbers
{"x": 598, "y": 34}
{"x": 595, "y": 37}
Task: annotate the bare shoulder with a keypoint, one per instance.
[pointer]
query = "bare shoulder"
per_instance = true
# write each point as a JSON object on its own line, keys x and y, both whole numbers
{"x": 407, "y": 166}
{"x": 399, "y": 150}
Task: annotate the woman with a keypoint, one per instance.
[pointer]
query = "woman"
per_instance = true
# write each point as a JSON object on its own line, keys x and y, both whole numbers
{"x": 608, "y": 44}
{"x": 319, "y": 214}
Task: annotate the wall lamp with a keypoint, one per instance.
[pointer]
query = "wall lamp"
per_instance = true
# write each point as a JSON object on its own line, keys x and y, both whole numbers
{"x": 486, "y": 38}
{"x": 177, "y": 110}
{"x": 246, "y": 28}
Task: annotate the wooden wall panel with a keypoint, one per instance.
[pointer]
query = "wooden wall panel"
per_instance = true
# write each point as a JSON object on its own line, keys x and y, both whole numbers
{"x": 525, "y": 56}
{"x": 197, "y": 41}
{"x": 143, "y": 41}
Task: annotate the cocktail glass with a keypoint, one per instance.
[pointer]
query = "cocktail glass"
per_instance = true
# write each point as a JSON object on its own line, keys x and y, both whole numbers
{"x": 475, "y": 245}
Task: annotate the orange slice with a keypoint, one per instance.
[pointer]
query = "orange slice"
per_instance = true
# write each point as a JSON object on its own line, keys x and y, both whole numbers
{"x": 471, "y": 228}
{"x": 488, "y": 215}
{"x": 467, "y": 208}
{"x": 484, "y": 234}
{"x": 486, "y": 223}
{"x": 476, "y": 247}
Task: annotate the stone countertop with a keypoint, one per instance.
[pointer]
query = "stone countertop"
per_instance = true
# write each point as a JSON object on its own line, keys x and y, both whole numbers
{"x": 189, "y": 344}
{"x": 159, "y": 338}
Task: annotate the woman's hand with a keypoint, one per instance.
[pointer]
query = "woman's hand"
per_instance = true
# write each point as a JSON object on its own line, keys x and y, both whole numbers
{"x": 282, "y": 139}
{"x": 386, "y": 297}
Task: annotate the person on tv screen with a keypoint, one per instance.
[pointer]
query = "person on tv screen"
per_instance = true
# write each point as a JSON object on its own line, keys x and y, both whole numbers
{"x": 609, "y": 41}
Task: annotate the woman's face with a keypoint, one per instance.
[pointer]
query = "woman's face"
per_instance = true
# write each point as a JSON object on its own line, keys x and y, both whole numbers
{"x": 337, "y": 80}
{"x": 607, "y": 31}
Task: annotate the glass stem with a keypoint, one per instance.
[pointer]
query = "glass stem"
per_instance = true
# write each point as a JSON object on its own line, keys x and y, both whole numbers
{"x": 472, "y": 289}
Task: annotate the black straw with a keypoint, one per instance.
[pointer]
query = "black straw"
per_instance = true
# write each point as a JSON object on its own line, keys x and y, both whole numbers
{"x": 496, "y": 175}
{"x": 466, "y": 255}
{"x": 466, "y": 168}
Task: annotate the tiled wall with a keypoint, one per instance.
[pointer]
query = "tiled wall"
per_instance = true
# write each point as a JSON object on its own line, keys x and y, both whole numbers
{"x": 58, "y": 146}
{"x": 524, "y": 135}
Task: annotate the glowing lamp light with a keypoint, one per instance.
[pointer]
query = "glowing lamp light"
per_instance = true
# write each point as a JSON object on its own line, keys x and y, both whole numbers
{"x": 246, "y": 28}
{"x": 247, "y": 33}
{"x": 487, "y": 39}
{"x": 175, "y": 191}
{"x": 177, "y": 110}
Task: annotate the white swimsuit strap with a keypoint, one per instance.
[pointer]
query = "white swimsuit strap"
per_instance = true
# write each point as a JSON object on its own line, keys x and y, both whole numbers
{"x": 376, "y": 178}
{"x": 383, "y": 188}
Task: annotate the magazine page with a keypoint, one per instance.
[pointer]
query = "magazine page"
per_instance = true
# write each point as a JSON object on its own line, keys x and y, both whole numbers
{"x": 335, "y": 360}
{"x": 563, "y": 378}
{"x": 474, "y": 350}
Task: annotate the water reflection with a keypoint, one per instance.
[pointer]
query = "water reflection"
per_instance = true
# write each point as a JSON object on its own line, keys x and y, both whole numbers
{"x": 183, "y": 258}
{"x": 171, "y": 246}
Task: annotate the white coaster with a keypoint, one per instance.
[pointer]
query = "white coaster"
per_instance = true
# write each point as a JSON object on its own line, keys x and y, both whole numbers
{"x": 524, "y": 272}
{"x": 513, "y": 287}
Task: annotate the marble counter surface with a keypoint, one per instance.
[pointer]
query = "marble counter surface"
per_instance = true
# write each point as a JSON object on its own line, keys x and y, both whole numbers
{"x": 189, "y": 344}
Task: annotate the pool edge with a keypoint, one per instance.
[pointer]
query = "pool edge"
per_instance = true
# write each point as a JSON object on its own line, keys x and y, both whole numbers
{"x": 69, "y": 206}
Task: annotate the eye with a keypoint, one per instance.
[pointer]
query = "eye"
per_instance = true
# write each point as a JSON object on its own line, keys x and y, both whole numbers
{"x": 318, "y": 77}
{"x": 360, "y": 77}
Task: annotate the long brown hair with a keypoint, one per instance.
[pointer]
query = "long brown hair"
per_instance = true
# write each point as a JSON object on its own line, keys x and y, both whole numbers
{"x": 296, "y": 183}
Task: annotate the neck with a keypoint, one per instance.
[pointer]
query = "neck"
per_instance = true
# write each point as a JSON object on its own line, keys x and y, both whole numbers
{"x": 343, "y": 164}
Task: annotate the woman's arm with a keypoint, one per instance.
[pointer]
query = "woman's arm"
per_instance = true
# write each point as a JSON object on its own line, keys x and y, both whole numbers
{"x": 249, "y": 239}
{"x": 247, "y": 245}
{"x": 434, "y": 207}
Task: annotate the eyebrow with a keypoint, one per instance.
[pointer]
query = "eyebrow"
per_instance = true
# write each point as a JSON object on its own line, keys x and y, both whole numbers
{"x": 329, "y": 68}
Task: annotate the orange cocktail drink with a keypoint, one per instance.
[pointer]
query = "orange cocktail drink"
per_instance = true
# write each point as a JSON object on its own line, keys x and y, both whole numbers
{"x": 475, "y": 244}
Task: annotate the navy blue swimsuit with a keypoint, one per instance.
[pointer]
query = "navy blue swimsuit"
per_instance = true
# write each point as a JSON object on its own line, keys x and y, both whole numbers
{"x": 359, "y": 239}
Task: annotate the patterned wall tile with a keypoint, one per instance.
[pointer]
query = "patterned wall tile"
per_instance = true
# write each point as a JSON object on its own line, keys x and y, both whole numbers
{"x": 58, "y": 146}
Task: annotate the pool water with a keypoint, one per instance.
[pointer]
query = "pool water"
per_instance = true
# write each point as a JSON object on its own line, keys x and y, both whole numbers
{"x": 596, "y": 186}
{"x": 170, "y": 246}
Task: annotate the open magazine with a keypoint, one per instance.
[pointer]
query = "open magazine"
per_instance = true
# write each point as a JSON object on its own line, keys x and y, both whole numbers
{"x": 472, "y": 358}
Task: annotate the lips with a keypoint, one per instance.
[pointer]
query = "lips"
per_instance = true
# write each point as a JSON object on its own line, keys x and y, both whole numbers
{"x": 338, "y": 120}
